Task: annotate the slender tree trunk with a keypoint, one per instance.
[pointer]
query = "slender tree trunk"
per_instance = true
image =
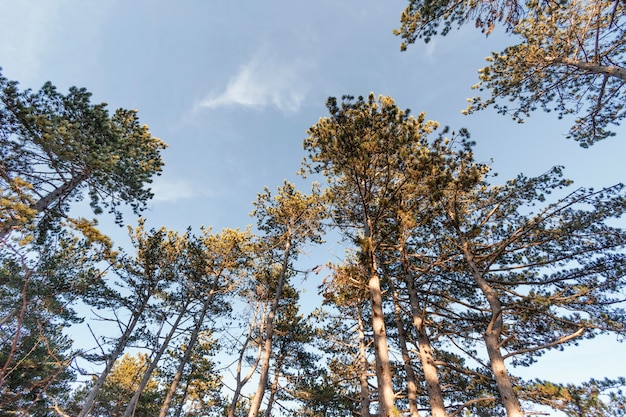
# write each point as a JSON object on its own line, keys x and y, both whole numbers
{"x": 185, "y": 359}
{"x": 386, "y": 395}
{"x": 179, "y": 410}
{"x": 255, "y": 404}
{"x": 238, "y": 380}
{"x": 112, "y": 357}
{"x": 364, "y": 393}
{"x": 272, "y": 397}
{"x": 274, "y": 387}
{"x": 130, "y": 408}
{"x": 411, "y": 379}
{"x": 433, "y": 386}
{"x": 18, "y": 330}
{"x": 492, "y": 337}
{"x": 503, "y": 381}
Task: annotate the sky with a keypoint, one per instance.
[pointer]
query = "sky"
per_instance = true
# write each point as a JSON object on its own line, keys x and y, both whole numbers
{"x": 232, "y": 88}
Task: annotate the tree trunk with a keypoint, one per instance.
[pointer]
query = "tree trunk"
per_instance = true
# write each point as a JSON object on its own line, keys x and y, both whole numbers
{"x": 112, "y": 357}
{"x": 433, "y": 387}
{"x": 130, "y": 408}
{"x": 386, "y": 395}
{"x": 272, "y": 397}
{"x": 411, "y": 379}
{"x": 492, "y": 337}
{"x": 364, "y": 393}
{"x": 183, "y": 361}
{"x": 274, "y": 387}
{"x": 503, "y": 381}
{"x": 241, "y": 382}
{"x": 255, "y": 404}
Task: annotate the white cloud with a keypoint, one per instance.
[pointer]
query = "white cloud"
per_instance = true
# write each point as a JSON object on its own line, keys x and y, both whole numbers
{"x": 261, "y": 83}
{"x": 170, "y": 191}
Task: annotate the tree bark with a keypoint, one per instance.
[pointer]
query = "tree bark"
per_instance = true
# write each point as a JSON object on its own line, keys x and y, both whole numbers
{"x": 241, "y": 382}
{"x": 411, "y": 379}
{"x": 130, "y": 408}
{"x": 112, "y": 357}
{"x": 274, "y": 387}
{"x": 433, "y": 386}
{"x": 386, "y": 395}
{"x": 183, "y": 361}
{"x": 255, "y": 404}
{"x": 611, "y": 70}
{"x": 364, "y": 393}
{"x": 492, "y": 337}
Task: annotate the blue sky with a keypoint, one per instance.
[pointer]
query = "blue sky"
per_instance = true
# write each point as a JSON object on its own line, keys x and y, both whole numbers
{"x": 233, "y": 86}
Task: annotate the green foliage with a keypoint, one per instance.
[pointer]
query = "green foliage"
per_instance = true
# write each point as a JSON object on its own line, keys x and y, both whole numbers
{"x": 332, "y": 388}
{"x": 422, "y": 19}
{"x": 199, "y": 392}
{"x": 119, "y": 387}
{"x": 504, "y": 263}
{"x": 381, "y": 164}
{"x": 38, "y": 375}
{"x": 464, "y": 259}
{"x": 549, "y": 274}
{"x": 54, "y": 150}
{"x": 56, "y": 147}
{"x": 288, "y": 221}
{"x": 366, "y": 149}
{"x": 290, "y": 215}
{"x": 38, "y": 292}
{"x": 570, "y": 59}
{"x": 560, "y": 272}
{"x": 594, "y": 398}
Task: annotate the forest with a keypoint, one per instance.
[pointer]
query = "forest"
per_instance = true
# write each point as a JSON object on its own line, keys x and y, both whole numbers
{"x": 451, "y": 278}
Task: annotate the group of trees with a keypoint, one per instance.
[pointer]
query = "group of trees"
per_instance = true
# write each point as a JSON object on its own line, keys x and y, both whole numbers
{"x": 454, "y": 275}
{"x": 450, "y": 279}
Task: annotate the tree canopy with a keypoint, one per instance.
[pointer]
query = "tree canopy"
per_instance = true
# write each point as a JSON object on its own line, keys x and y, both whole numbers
{"x": 569, "y": 57}
{"x": 450, "y": 279}
{"x": 55, "y": 148}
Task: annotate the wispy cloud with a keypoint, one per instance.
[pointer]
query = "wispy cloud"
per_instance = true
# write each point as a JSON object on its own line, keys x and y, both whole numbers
{"x": 263, "y": 82}
{"x": 170, "y": 191}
